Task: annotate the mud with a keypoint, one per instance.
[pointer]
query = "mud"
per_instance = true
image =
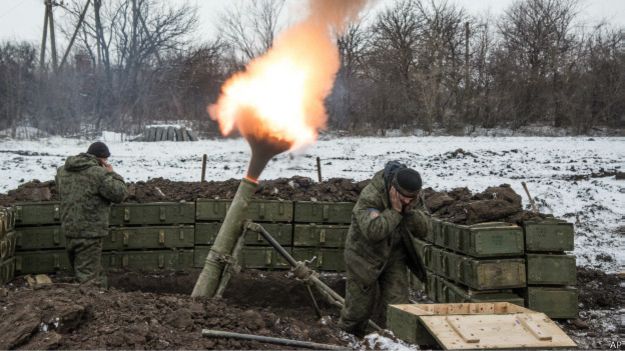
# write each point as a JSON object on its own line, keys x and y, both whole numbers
{"x": 460, "y": 206}
{"x": 154, "y": 311}
{"x": 601, "y": 322}
{"x": 69, "y": 316}
{"x": 160, "y": 189}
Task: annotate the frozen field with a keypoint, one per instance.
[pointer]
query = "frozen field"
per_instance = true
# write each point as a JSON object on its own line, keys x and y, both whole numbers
{"x": 557, "y": 171}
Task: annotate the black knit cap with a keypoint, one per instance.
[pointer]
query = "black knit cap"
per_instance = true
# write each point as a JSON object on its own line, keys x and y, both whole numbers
{"x": 408, "y": 182}
{"x": 99, "y": 149}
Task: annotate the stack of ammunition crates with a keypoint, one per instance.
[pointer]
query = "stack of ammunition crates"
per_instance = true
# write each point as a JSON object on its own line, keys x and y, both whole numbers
{"x": 142, "y": 236}
{"x": 551, "y": 274}
{"x": 151, "y": 236}
{"x": 7, "y": 244}
{"x": 478, "y": 263}
{"x": 319, "y": 233}
{"x": 275, "y": 216}
{"x": 40, "y": 240}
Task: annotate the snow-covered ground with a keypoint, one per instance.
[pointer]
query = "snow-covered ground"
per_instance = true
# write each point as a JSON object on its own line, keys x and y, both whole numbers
{"x": 595, "y": 205}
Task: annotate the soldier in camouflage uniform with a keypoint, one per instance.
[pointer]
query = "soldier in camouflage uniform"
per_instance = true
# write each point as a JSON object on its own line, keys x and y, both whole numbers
{"x": 87, "y": 185}
{"x": 376, "y": 249}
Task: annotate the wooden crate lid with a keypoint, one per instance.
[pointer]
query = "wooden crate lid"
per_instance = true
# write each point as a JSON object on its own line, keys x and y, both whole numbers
{"x": 498, "y": 325}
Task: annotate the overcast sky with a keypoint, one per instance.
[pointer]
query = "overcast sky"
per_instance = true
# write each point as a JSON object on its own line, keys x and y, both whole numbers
{"x": 23, "y": 19}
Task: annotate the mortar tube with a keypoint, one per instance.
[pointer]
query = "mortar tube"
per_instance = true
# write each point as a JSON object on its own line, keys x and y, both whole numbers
{"x": 230, "y": 231}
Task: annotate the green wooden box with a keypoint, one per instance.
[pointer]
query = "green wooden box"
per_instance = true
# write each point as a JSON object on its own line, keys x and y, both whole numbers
{"x": 323, "y": 212}
{"x": 327, "y": 259}
{"x": 480, "y": 274}
{"x": 7, "y": 246}
{"x": 256, "y": 257}
{"x": 206, "y": 232}
{"x": 555, "y": 302}
{"x": 7, "y": 220}
{"x": 320, "y": 235}
{"x": 551, "y": 269}
{"x": 453, "y": 293}
{"x": 549, "y": 235}
{"x": 39, "y": 262}
{"x": 493, "y": 239}
{"x": 258, "y": 210}
{"x": 7, "y": 270}
{"x": 263, "y": 258}
{"x": 408, "y": 327}
{"x": 40, "y": 238}
{"x": 157, "y": 213}
{"x": 157, "y": 237}
{"x": 37, "y": 213}
{"x": 149, "y": 260}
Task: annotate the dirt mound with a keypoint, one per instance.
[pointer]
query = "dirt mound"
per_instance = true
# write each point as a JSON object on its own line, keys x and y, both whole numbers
{"x": 459, "y": 205}
{"x": 160, "y": 189}
{"x": 69, "y": 316}
{"x": 34, "y": 190}
{"x": 295, "y": 188}
{"x": 600, "y": 290}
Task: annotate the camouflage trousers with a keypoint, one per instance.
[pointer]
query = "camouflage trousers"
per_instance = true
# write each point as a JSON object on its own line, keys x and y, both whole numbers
{"x": 85, "y": 257}
{"x": 370, "y": 302}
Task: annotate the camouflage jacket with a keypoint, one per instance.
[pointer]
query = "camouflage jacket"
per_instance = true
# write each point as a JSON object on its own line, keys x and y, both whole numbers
{"x": 376, "y": 232}
{"x": 86, "y": 190}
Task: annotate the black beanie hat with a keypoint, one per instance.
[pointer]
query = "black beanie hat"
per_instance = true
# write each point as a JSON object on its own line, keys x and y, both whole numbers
{"x": 407, "y": 181}
{"x": 99, "y": 149}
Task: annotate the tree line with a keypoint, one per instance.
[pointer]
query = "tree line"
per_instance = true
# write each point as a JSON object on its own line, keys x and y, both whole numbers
{"x": 424, "y": 64}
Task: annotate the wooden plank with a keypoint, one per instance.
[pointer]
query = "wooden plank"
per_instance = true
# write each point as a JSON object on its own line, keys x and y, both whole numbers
{"x": 533, "y": 327}
{"x": 456, "y": 325}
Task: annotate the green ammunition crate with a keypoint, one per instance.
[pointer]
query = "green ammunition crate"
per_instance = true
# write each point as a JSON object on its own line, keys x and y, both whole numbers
{"x": 326, "y": 259}
{"x": 452, "y": 293}
{"x": 480, "y": 274}
{"x": 493, "y": 239}
{"x": 257, "y": 257}
{"x": 555, "y": 302}
{"x": 430, "y": 285}
{"x": 551, "y": 269}
{"x": 7, "y": 246}
{"x": 39, "y": 262}
{"x": 157, "y": 213}
{"x": 263, "y": 257}
{"x": 149, "y": 260}
{"x": 40, "y": 238}
{"x": 206, "y": 232}
{"x": 7, "y": 270}
{"x": 258, "y": 210}
{"x": 320, "y": 235}
{"x": 129, "y": 238}
{"x": 37, "y": 213}
{"x": 323, "y": 212}
{"x": 7, "y": 220}
{"x": 408, "y": 327}
{"x": 549, "y": 235}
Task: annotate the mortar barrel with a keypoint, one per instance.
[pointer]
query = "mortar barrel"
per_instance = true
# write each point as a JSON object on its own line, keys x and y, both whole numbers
{"x": 229, "y": 233}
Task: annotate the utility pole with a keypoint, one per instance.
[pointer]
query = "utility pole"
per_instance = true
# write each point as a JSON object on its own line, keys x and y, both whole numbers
{"x": 44, "y": 37}
{"x": 48, "y": 23}
{"x": 71, "y": 42}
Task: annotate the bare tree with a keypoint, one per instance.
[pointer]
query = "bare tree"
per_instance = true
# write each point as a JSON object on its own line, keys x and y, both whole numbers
{"x": 250, "y": 27}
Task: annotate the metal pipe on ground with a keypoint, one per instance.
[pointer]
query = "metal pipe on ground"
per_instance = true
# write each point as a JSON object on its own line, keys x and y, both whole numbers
{"x": 270, "y": 340}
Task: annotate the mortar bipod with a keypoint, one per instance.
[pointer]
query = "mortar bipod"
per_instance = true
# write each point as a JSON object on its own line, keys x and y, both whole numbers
{"x": 305, "y": 273}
